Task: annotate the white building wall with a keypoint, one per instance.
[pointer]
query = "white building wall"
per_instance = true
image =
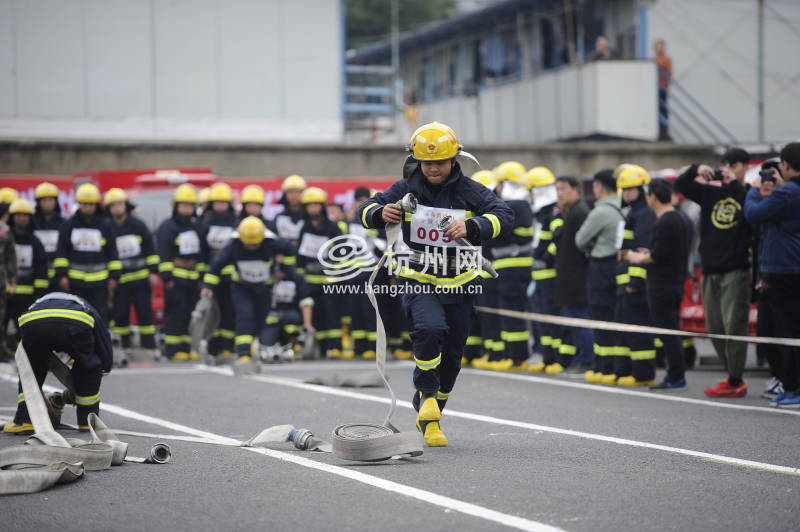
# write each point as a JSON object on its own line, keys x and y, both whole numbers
{"x": 232, "y": 70}
{"x": 713, "y": 45}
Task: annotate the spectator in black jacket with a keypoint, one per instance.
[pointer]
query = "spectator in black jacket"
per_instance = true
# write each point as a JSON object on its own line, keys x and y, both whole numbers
{"x": 571, "y": 270}
{"x": 666, "y": 259}
{"x": 725, "y": 239}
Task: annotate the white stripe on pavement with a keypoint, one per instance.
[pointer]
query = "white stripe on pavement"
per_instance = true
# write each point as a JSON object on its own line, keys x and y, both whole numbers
{"x": 428, "y": 497}
{"x": 524, "y": 425}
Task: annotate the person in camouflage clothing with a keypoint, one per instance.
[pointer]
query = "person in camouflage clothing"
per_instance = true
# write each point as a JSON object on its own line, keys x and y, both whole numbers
{"x": 8, "y": 270}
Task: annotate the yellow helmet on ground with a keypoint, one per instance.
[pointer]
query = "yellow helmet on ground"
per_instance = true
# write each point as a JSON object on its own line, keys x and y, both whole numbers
{"x": 251, "y": 230}
{"x": 434, "y": 142}
{"x": 8, "y": 195}
{"x": 114, "y": 195}
{"x": 87, "y": 193}
{"x": 253, "y": 194}
{"x": 46, "y": 190}
{"x": 510, "y": 171}
{"x": 485, "y": 178}
{"x": 220, "y": 192}
{"x": 21, "y": 206}
{"x": 632, "y": 176}
{"x": 202, "y": 195}
{"x": 186, "y": 193}
{"x": 294, "y": 181}
{"x": 538, "y": 176}
{"x": 314, "y": 195}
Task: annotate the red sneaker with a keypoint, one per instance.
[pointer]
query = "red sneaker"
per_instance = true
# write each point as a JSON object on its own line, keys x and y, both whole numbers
{"x": 725, "y": 389}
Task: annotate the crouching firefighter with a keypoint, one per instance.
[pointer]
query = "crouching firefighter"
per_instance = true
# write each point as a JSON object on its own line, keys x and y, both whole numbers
{"x": 439, "y": 299}
{"x": 64, "y": 323}
{"x": 291, "y": 309}
{"x": 251, "y": 255}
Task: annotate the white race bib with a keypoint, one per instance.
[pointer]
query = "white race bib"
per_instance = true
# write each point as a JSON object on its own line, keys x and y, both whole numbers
{"x": 219, "y": 236}
{"x": 311, "y": 244}
{"x": 24, "y": 255}
{"x": 128, "y": 246}
{"x": 620, "y": 235}
{"x": 188, "y": 243}
{"x": 537, "y": 234}
{"x": 253, "y": 271}
{"x": 49, "y": 239}
{"x": 288, "y": 229}
{"x": 425, "y": 225}
{"x": 84, "y": 239}
{"x": 284, "y": 291}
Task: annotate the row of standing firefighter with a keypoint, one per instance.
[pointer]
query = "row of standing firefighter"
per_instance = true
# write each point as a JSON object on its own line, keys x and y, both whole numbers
{"x": 272, "y": 291}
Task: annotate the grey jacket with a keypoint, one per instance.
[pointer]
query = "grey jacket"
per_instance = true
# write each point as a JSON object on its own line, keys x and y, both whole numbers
{"x": 602, "y": 231}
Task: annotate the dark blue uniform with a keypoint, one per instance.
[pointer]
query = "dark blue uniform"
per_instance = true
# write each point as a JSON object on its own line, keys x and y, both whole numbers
{"x": 216, "y": 232}
{"x": 544, "y": 274}
{"x": 183, "y": 257}
{"x": 60, "y": 322}
{"x": 31, "y": 274}
{"x": 46, "y": 230}
{"x": 284, "y": 320}
{"x": 136, "y": 251}
{"x": 87, "y": 256}
{"x": 440, "y": 319}
{"x": 249, "y": 273}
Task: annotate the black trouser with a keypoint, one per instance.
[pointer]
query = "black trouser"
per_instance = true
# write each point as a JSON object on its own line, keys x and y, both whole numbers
{"x": 439, "y": 329}
{"x": 602, "y": 301}
{"x": 223, "y": 337}
{"x": 664, "y": 303}
{"x": 250, "y": 304}
{"x": 16, "y": 306}
{"x": 513, "y": 331}
{"x": 136, "y": 293}
{"x": 491, "y": 324}
{"x": 550, "y": 334}
{"x": 765, "y": 326}
{"x": 362, "y": 317}
{"x": 42, "y": 337}
{"x": 96, "y": 294}
{"x": 178, "y": 306}
{"x": 783, "y": 292}
{"x": 280, "y": 327}
{"x": 663, "y": 111}
{"x": 326, "y": 319}
{"x": 640, "y": 361}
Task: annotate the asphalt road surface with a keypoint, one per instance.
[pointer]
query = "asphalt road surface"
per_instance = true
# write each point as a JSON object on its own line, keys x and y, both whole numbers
{"x": 526, "y": 452}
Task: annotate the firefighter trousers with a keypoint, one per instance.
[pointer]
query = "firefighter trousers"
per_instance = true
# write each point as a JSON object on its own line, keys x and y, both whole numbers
{"x": 136, "y": 293}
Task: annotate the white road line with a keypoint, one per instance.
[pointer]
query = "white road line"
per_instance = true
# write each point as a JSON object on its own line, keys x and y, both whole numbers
{"x": 524, "y": 425}
{"x": 428, "y": 497}
{"x": 153, "y": 371}
{"x": 621, "y": 391}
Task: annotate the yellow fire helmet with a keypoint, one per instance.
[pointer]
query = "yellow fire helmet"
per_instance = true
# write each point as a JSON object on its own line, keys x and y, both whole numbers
{"x": 294, "y": 181}
{"x": 253, "y": 194}
{"x": 434, "y": 142}
{"x": 510, "y": 171}
{"x": 21, "y": 206}
{"x": 87, "y": 193}
{"x": 7, "y": 195}
{"x": 632, "y": 176}
{"x": 202, "y": 195}
{"x": 251, "y": 230}
{"x": 186, "y": 193}
{"x": 538, "y": 176}
{"x": 314, "y": 195}
{"x": 113, "y": 195}
{"x": 46, "y": 190}
{"x": 485, "y": 178}
{"x": 220, "y": 192}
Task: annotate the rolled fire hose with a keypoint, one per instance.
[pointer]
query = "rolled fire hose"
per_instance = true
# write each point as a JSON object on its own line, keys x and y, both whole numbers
{"x": 368, "y": 442}
{"x": 47, "y": 458}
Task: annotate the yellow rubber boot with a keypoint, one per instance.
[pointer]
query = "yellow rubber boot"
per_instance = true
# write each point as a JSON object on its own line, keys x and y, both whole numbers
{"x": 481, "y": 363}
{"x": 181, "y": 356}
{"x": 21, "y": 429}
{"x": 429, "y": 410}
{"x": 631, "y": 382}
{"x": 501, "y": 365}
{"x": 537, "y": 368}
{"x": 554, "y": 369}
{"x": 194, "y": 356}
{"x": 369, "y": 355}
{"x": 433, "y": 435}
{"x": 595, "y": 377}
{"x": 610, "y": 380}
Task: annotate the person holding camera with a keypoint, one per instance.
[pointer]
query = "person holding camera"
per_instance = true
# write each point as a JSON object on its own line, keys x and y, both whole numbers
{"x": 725, "y": 238}
{"x": 774, "y": 201}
